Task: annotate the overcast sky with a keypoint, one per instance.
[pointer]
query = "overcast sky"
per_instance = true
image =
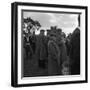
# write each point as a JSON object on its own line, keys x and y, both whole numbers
{"x": 67, "y": 22}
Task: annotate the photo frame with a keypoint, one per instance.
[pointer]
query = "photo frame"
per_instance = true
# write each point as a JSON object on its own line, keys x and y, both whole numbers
{"x": 28, "y": 17}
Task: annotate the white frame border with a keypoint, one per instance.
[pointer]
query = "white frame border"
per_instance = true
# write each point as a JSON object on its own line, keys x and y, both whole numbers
{"x": 46, "y": 79}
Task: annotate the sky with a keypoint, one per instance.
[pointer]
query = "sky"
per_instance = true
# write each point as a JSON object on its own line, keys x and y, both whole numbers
{"x": 67, "y": 22}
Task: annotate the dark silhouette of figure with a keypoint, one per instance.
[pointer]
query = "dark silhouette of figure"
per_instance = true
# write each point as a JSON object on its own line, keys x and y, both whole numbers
{"x": 58, "y": 62}
{"x": 64, "y": 62}
{"x": 33, "y": 42}
{"x": 67, "y": 43}
{"x": 27, "y": 46}
{"x": 48, "y": 32}
{"x": 41, "y": 51}
{"x": 75, "y": 52}
{"x": 53, "y": 56}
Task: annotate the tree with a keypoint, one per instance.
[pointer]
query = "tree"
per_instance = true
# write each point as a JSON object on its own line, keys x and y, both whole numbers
{"x": 31, "y": 24}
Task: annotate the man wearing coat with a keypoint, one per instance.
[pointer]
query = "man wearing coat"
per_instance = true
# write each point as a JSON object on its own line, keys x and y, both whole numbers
{"x": 75, "y": 52}
{"x": 41, "y": 51}
{"x": 57, "y": 54}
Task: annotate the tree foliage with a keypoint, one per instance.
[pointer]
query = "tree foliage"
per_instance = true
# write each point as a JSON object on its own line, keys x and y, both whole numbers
{"x": 31, "y": 24}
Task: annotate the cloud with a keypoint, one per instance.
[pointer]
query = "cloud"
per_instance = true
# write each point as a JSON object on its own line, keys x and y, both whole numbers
{"x": 64, "y": 21}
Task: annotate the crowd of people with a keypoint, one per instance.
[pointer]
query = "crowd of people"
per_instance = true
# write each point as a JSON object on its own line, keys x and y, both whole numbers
{"x": 56, "y": 52}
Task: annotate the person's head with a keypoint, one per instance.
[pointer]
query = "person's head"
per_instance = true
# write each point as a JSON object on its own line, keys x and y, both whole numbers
{"x": 59, "y": 31}
{"x": 53, "y": 35}
{"x": 53, "y": 27}
{"x": 77, "y": 30}
{"x": 42, "y": 32}
{"x": 48, "y": 32}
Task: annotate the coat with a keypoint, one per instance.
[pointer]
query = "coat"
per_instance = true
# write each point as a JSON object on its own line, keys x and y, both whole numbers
{"x": 53, "y": 58}
{"x": 41, "y": 51}
{"x": 75, "y": 52}
{"x": 57, "y": 56}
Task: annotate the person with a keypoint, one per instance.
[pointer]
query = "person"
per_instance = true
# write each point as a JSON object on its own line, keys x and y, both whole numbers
{"x": 63, "y": 54}
{"x": 48, "y": 36}
{"x": 53, "y": 56}
{"x": 48, "y": 32}
{"x": 67, "y": 43}
{"x": 75, "y": 52}
{"x": 27, "y": 46}
{"x": 33, "y": 42}
{"x": 41, "y": 52}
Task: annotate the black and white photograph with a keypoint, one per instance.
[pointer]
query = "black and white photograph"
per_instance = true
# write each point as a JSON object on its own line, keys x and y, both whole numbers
{"x": 50, "y": 44}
